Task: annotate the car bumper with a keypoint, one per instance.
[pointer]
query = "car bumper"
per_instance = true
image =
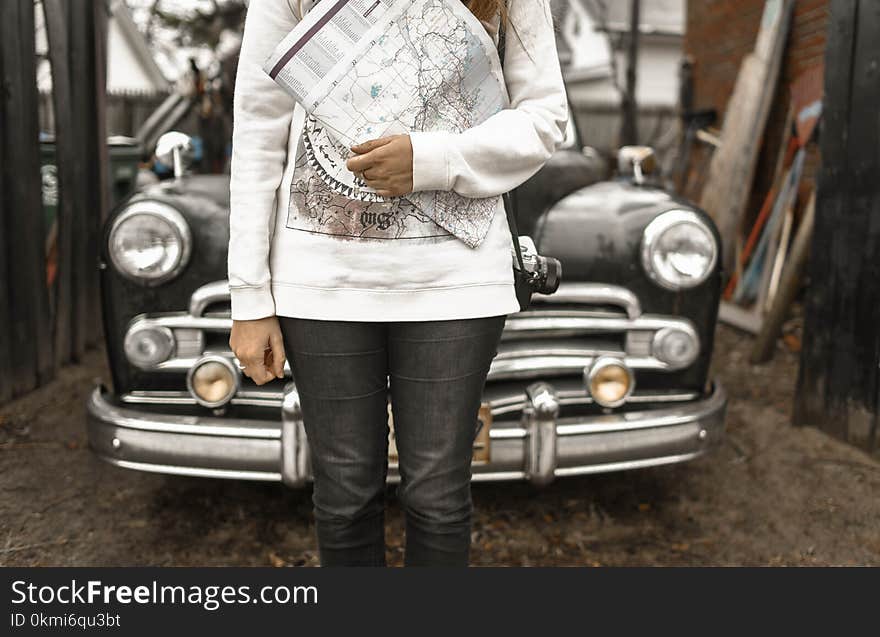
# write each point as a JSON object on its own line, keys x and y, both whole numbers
{"x": 539, "y": 447}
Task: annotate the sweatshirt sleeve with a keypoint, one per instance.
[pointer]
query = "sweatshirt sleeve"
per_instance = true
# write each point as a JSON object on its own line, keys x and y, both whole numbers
{"x": 262, "y": 113}
{"x": 506, "y": 149}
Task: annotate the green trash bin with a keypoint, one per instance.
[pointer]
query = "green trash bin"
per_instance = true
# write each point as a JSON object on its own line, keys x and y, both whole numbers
{"x": 124, "y": 154}
{"x": 49, "y": 175}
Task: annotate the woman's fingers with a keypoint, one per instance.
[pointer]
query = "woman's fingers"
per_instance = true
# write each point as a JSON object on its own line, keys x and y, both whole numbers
{"x": 366, "y": 157}
{"x": 257, "y": 372}
{"x": 253, "y": 360}
{"x": 376, "y": 182}
{"x": 362, "y": 163}
{"x": 250, "y": 341}
{"x": 385, "y": 165}
{"x": 261, "y": 376}
{"x": 390, "y": 187}
{"x": 278, "y": 357}
{"x": 371, "y": 144}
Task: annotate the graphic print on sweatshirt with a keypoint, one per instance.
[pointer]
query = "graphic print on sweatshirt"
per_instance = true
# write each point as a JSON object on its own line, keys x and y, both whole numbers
{"x": 430, "y": 67}
{"x": 317, "y": 208}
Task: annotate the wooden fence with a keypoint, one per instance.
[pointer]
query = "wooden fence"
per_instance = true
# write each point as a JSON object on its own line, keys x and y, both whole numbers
{"x": 600, "y": 125}
{"x": 126, "y": 112}
{"x": 50, "y": 319}
{"x": 839, "y": 377}
{"x": 25, "y": 336}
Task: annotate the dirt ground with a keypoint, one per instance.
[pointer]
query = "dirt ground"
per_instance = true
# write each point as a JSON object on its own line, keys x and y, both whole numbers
{"x": 772, "y": 495}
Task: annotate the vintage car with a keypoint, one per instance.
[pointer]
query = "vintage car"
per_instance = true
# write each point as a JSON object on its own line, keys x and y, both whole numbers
{"x": 608, "y": 373}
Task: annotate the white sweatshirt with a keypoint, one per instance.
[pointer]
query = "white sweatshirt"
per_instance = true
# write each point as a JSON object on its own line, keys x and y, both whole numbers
{"x": 298, "y": 249}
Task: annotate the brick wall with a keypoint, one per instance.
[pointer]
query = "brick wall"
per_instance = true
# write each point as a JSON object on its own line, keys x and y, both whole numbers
{"x": 719, "y": 34}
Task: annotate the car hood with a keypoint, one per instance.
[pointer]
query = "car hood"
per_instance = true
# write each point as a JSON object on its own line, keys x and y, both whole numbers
{"x": 597, "y": 231}
{"x": 214, "y": 188}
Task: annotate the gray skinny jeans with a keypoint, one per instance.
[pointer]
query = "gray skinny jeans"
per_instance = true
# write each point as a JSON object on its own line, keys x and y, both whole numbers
{"x": 437, "y": 370}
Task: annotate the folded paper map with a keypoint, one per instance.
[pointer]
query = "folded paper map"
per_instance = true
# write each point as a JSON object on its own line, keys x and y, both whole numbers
{"x": 364, "y": 69}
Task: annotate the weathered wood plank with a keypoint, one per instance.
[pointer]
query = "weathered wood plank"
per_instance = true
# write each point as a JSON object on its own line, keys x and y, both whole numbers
{"x": 789, "y": 286}
{"x": 864, "y": 153}
{"x": 732, "y": 168}
{"x": 81, "y": 61}
{"x": 100, "y": 168}
{"x": 812, "y": 399}
{"x": 838, "y": 381}
{"x": 5, "y": 309}
{"x": 34, "y": 253}
{"x": 87, "y": 106}
{"x": 30, "y": 345}
{"x": 68, "y": 173}
{"x": 746, "y": 319}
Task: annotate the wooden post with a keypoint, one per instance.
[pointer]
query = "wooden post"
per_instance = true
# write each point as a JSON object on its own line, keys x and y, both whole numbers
{"x": 26, "y": 325}
{"x": 87, "y": 137}
{"x": 79, "y": 16}
{"x": 100, "y": 168}
{"x": 629, "y": 134}
{"x": 838, "y": 380}
{"x": 69, "y": 174}
{"x": 5, "y": 309}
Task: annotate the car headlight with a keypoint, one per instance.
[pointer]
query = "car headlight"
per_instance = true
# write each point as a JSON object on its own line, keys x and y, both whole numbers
{"x": 679, "y": 250}
{"x": 150, "y": 242}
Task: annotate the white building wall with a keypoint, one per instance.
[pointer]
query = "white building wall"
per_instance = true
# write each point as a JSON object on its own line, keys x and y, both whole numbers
{"x": 659, "y": 61}
{"x": 589, "y": 73}
{"x": 589, "y": 47}
{"x": 125, "y": 72}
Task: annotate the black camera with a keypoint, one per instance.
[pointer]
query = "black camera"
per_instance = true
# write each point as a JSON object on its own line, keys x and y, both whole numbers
{"x": 545, "y": 273}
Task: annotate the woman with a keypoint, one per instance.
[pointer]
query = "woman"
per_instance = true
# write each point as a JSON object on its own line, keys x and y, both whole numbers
{"x": 374, "y": 300}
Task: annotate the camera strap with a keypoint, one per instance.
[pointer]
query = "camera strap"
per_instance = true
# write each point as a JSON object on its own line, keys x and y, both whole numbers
{"x": 507, "y": 198}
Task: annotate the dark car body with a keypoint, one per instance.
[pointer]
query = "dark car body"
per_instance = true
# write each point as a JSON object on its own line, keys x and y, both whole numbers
{"x": 540, "y": 419}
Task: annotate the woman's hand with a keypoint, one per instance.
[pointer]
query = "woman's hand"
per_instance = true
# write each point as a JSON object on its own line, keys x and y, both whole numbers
{"x": 259, "y": 348}
{"x": 385, "y": 165}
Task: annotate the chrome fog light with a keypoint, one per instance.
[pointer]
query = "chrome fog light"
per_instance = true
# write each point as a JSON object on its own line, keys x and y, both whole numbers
{"x": 609, "y": 381}
{"x": 212, "y": 381}
{"x": 677, "y": 348}
{"x": 146, "y": 347}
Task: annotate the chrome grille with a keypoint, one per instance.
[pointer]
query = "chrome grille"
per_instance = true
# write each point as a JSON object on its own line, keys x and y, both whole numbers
{"x": 559, "y": 336}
